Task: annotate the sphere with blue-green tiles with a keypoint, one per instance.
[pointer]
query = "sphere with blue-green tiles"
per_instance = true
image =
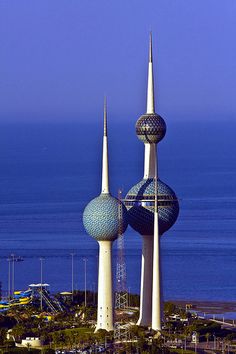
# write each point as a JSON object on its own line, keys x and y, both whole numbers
{"x": 139, "y": 202}
{"x": 150, "y": 128}
{"x": 102, "y": 218}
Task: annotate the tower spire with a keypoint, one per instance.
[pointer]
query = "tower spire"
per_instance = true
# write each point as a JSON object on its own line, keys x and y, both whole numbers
{"x": 105, "y": 116}
{"x": 150, "y": 89}
{"x": 150, "y": 47}
{"x": 105, "y": 172}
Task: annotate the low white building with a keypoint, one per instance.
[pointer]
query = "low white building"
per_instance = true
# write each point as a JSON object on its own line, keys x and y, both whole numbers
{"x": 31, "y": 342}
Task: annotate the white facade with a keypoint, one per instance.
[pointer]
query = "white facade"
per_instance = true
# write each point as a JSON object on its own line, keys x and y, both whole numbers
{"x": 31, "y": 342}
{"x": 145, "y": 315}
{"x": 105, "y": 291}
{"x": 149, "y": 160}
{"x": 156, "y": 286}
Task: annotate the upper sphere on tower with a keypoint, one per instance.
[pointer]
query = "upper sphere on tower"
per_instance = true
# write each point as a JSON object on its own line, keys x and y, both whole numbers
{"x": 150, "y": 128}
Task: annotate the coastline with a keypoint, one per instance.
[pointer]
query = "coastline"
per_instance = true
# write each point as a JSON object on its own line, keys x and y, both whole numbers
{"x": 209, "y": 307}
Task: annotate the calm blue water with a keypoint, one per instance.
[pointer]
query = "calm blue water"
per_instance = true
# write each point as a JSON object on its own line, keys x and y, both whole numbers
{"x": 48, "y": 172}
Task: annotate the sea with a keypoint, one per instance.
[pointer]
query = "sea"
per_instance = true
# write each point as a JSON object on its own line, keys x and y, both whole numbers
{"x": 50, "y": 171}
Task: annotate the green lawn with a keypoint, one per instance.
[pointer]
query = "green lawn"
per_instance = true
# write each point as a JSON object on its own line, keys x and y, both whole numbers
{"x": 180, "y": 351}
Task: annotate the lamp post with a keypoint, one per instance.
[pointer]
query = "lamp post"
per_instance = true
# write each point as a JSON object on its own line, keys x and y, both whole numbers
{"x": 94, "y": 290}
{"x": 13, "y": 272}
{"x": 129, "y": 296}
{"x": 106, "y": 341}
{"x": 41, "y": 281}
{"x": 72, "y": 275}
{"x": 9, "y": 278}
{"x": 85, "y": 281}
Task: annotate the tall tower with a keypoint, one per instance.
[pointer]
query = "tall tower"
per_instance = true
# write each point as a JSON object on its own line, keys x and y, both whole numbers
{"x": 101, "y": 221}
{"x": 143, "y": 206}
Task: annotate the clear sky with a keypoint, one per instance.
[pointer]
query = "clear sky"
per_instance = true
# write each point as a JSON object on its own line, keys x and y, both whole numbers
{"x": 59, "y": 57}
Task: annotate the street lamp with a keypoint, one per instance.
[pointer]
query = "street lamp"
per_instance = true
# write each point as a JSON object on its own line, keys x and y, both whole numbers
{"x": 94, "y": 290}
{"x": 72, "y": 275}
{"x": 196, "y": 345}
{"x": 41, "y": 281}
{"x": 9, "y": 278}
{"x": 129, "y": 296}
{"x": 105, "y": 344}
{"x": 13, "y": 272}
{"x": 85, "y": 281}
{"x": 214, "y": 338}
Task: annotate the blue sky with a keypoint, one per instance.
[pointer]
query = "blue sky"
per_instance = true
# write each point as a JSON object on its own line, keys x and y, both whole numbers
{"x": 59, "y": 57}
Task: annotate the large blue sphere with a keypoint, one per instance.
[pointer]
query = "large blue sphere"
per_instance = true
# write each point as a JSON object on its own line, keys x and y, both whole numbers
{"x": 140, "y": 206}
{"x": 101, "y": 218}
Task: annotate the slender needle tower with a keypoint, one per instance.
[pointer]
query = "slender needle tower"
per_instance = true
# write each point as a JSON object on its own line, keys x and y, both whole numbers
{"x": 144, "y": 208}
{"x": 101, "y": 221}
{"x": 157, "y": 286}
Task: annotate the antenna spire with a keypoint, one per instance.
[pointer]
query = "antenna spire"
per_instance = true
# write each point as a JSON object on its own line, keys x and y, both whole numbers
{"x": 150, "y": 47}
{"x": 150, "y": 89}
{"x": 105, "y": 172}
{"x": 105, "y": 116}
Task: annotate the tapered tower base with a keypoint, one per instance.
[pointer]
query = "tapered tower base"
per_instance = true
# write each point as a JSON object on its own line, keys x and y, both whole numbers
{"x": 156, "y": 286}
{"x": 145, "y": 317}
{"x": 105, "y": 296}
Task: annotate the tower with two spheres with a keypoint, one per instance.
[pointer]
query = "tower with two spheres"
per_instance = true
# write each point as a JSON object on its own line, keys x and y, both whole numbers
{"x": 151, "y": 208}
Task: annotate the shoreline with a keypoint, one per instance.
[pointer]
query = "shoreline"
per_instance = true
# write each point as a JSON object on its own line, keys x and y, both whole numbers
{"x": 208, "y": 307}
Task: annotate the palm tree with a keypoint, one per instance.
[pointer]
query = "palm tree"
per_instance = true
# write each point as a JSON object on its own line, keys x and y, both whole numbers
{"x": 207, "y": 335}
{"x": 28, "y": 346}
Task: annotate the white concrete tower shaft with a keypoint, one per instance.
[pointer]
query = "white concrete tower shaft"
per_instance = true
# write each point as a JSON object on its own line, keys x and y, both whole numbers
{"x": 105, "y": 174}
{"x": 105, "y": 309}
{"x": 150, "y": 156}
{"x": 156, "y": 286}
{"x": 105, "y": 314}
{"x": 145, "y": 313}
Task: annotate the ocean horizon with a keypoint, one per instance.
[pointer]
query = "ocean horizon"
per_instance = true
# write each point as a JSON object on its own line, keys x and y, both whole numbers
{"x": 49, "y": 172}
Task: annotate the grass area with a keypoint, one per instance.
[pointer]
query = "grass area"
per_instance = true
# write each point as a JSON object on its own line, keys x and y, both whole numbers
{"x": 180, "y": 351}
{"x": 80, "y": 330}
{"x": 19, "y": 350}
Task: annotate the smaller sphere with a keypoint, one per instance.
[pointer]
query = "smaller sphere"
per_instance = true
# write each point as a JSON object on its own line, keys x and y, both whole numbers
{"x": 151, "y": 128}
{"x": 101, "y": 218}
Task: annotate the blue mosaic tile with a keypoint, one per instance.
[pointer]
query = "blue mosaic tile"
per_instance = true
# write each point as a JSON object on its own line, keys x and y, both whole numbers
{"x": 140, "y": 205}
{"x": 101, "y": 218}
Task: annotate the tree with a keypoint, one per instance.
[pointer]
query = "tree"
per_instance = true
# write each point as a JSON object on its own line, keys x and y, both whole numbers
{"x": 56, "y": 337}
{"x": 3, "y": 333}
{"x": 169, "y": 308}
{"x": 18, "y": 331}
{"x": 28, "y": 346}
{"x": 207, "y": 335}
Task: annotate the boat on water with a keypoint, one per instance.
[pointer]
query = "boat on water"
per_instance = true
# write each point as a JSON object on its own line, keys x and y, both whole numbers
{"x": 19, "y": 259}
